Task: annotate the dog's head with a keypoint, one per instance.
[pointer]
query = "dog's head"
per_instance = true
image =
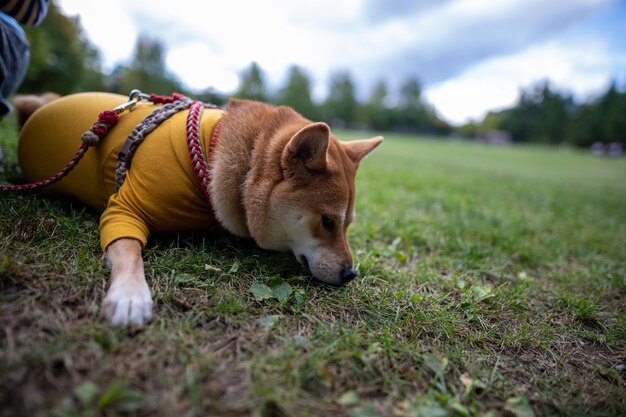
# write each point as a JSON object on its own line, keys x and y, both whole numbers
{"x": 299, "y": 193}
{"x": 298, "y": 185}
{"x": 314, "y": 204}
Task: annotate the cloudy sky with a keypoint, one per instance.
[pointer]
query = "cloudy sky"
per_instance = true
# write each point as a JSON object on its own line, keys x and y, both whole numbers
{"x": 471, "y": 56}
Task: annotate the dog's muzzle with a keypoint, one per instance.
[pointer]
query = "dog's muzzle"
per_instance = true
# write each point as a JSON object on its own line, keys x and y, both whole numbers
{"x": 346, "y": 274}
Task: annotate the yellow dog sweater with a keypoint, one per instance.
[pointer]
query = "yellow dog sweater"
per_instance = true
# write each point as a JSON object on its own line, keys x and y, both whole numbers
{"x": 160, "y": 193}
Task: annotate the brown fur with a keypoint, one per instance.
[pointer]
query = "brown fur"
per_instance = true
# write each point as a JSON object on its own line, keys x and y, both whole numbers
{"x": 277, "y": 162}
{"x": 26, "y": 105}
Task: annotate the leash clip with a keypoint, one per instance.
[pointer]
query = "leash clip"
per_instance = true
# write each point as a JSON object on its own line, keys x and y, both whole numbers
{"x": 134, "y": 97}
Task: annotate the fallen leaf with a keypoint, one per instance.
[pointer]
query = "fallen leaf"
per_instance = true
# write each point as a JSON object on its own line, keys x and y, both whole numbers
{"x": 86, "y": 392}
{"x": 436, "y": 364}
{"x": 519, "y": 407}
{"x": 234, "y": 268}
{"x": 261, "y": 291}
{"x": 482, "y": 292}
{"x": 282, "y": 292}
{"x": 268, "y": 321}
{"x": 349, "y": 398}
{"x": 208, "y": 267}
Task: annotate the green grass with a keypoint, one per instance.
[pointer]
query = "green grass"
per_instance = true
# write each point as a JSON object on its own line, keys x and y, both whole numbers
{"x": 492, "y": 283}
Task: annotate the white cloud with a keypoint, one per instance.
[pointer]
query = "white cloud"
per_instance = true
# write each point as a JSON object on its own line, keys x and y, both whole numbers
{"x": 109, "y": 27}
{"x": 479, "y": 48}
{"x": 583, "y": 68}
{"x": 192, "y": 62}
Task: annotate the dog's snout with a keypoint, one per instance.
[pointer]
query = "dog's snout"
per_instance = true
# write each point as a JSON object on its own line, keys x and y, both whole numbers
{"x": 347, "y": 274}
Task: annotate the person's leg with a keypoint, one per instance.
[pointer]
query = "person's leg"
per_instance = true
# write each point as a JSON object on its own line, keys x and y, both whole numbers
{"x": 14, "y": 59}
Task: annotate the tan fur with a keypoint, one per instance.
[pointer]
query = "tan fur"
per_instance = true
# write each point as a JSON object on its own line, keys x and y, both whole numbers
{"x": 276, "y": 167}
{"x": 26, "y": 105}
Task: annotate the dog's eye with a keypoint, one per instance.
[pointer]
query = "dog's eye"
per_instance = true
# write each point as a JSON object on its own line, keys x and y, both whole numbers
{"x": 328, "y": 223}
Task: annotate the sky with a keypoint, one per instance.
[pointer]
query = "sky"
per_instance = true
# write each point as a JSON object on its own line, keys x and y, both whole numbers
{"x": 470, "y": 56}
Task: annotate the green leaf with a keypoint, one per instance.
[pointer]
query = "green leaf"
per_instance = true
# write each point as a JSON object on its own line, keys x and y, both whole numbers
{"x": 184, "y": 278}
{"x": 131, "y": 400}
{"x": 300, "y": 296}
{"x": 268, "y": 321}
{"x": 367, "y": 410}
{"x": 111, "y": 394}
{"x": 282, "y": 292}
{"x": 86, "y": 392}
{"x": 436, "y": 364}
{"x": 482, "y": 292}
{"x": 261, "y": 291}
{"x": 432, "y": 411}
{"x": 519, "y": 407}
{"x": 459, "y": 409}
{"x": 234, "y": 268}
{"x": 349, "y": 398}
{"x": 6, "y": 262}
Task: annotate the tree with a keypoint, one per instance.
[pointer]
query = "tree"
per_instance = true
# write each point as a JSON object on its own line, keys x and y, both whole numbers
{"x": 297, "y": 93}
{"x": 62, "y": 60}
{"x": 602, "y": 120}
{"x": 147, "y": 71}
{"x": 612, "y": 106}
{"x": 541, "y": 115}
{"x": 410, "y": 94}
{"x": 414, "y": 115}
{"x": 341, "y": 105}
{"x": 554, "y": 115}
{"x": 252, "y": 85}
{"x": 410, "y": 109}
{"x": 375, "y": 112}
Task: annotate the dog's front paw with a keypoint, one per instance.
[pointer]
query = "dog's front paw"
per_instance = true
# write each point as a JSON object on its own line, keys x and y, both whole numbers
{"x": 128, "y": 302}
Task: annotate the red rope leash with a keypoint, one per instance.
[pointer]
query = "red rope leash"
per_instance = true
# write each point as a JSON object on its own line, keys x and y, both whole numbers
{"x": 157, "y": 99}
{"x": 106, "y": 120}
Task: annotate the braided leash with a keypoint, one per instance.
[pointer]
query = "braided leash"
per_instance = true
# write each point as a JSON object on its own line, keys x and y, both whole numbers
{"x": 139, "y": 133}
{"x": 107, "y": 119}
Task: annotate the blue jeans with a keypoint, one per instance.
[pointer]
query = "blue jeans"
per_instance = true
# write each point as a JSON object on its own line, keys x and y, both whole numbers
{"x": 14, "y": 58}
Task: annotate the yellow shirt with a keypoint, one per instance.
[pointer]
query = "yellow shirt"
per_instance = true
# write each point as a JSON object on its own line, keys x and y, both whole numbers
{"x": 160, "y": 193}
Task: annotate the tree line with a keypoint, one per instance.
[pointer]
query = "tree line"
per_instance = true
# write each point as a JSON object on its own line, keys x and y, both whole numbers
{"x": 545, "y": 115}
{"x": 408, "y": 113}
{"x": 63, "y": 61}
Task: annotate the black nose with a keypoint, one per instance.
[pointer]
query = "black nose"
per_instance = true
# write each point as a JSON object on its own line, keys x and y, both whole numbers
{"x": 347, "y": 274}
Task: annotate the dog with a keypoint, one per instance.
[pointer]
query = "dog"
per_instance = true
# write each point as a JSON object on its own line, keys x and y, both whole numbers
{"x": 276, "y": 177}
{"x": 27, "y": 104}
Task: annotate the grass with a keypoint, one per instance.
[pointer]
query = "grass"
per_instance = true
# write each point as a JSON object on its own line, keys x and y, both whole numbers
{"x": 492, "y": 283}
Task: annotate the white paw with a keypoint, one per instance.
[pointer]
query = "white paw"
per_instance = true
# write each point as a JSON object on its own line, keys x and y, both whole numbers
{"x": 128, "y": 302}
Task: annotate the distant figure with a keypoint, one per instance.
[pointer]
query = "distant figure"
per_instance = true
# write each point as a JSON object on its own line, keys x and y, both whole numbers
{"x": 597, "y": 149}
{"x": 608, "y": 149}
{"x": 615, "y": 149}
{"x": 14, "y": 47}
{"x": 495, "y": 137}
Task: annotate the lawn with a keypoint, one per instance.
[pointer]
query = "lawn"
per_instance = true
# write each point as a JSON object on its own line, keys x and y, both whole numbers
{"x": 492, "y": 283}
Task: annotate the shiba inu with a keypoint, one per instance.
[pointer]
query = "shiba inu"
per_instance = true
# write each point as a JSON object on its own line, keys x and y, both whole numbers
{"x": 275, "y": 177}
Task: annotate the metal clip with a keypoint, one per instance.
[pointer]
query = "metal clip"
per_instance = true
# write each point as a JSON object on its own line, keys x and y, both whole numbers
{"x": 134, "y": 97}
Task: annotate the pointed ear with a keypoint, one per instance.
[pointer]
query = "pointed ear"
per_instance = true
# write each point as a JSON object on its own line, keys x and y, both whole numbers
{"x": 307, "y": 148}
{"x": 357, "y": 149}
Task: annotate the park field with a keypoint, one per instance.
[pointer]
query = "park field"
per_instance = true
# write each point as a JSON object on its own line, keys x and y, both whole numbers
{"x": 492, "y": 283}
